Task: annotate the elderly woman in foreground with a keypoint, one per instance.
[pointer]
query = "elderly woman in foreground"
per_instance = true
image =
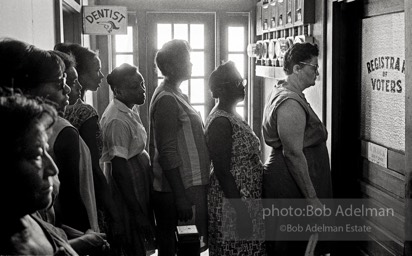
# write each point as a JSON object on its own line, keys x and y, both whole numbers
{"x": 298, "y": 166}
{"x": 26, "y": 183}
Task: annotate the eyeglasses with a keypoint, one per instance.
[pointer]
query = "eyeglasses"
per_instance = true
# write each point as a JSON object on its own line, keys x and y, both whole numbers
{"x": 238, "y": 83}
{"x": 61, "y": 81}
{"x": 316, "y": 66}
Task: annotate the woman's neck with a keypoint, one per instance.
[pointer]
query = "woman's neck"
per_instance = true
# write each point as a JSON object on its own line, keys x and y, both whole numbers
{"x": 227, "y": 106}
{"x": 173, "y": 82}
{"x": 128, "y": 104}
{"x": 294, "y": 84}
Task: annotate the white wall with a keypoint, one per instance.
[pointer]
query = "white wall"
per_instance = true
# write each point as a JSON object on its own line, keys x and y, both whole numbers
{"x": 31, "y": 21}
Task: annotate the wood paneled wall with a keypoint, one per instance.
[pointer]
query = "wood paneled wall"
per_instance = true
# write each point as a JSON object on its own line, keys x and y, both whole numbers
{"x": 385, "y": 187}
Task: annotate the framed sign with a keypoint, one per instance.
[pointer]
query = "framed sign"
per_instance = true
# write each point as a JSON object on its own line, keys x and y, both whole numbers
{"x": 383, "y": 80}
{"x": 104, "y": 20}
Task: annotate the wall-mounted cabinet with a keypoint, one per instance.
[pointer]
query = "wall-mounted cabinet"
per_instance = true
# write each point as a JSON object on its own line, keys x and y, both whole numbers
{"x": 280, "y": 24}
{"x": 259, "y": 30}
{"x": 289, "y": 13}
{"x": 273, "y": 15}
{"x": 304, "y": 12}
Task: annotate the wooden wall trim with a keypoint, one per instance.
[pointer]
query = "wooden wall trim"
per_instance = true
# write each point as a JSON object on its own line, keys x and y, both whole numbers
{"x": 71, "y": 6}
{"x": 383, "y": 242}
{"x": 396, "y": 160}
{"x": 389, "y": 181}
{"x": 408, "y": 124}
{"x": 379, "y": 7}
{"x": 397, "y": 204}
{"x": 390, "y": 224}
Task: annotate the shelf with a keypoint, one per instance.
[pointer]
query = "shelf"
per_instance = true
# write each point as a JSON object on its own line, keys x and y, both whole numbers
{"x": 270, "y": 72}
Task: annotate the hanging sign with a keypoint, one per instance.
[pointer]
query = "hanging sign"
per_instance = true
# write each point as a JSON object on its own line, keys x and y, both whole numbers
{"x": 104, "y": 20}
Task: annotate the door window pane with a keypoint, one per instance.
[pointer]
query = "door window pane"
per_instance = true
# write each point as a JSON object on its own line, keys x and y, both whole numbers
{"x": 241, "y": 111}
{"x": 124, "y": 43}
{"x": 194, "y": 33}
{"x": 184, "y": 86}
{"x": 198, "y": 61}
{"x": 236, "y": 39}
{"x": 159, "y": 73}
{"x": 88, "y": 97}
{"x": 197, "y": 36}
{"x": 124, "y": 58}
{"x": 164, "y": 34}
{"x": 238, "y": 59}
{"x": 180, "y": 31}
{"x": 197, "y": 91}
{"x": 201, "y": 110}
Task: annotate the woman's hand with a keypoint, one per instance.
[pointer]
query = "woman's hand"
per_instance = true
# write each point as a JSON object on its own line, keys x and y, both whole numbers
{"x": 95, "y": 239}
{"x": 184, "y": 209}
{"x": 90, "y": 243}
{"x": 145, "y": 227}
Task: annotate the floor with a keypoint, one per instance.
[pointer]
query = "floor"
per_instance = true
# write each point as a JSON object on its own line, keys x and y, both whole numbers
{"x": 205, "y": 253}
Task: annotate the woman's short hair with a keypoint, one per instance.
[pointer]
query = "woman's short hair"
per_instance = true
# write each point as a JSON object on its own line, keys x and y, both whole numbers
{"x": 169, "y": 53}
{"x": 83, "y": 55}
{"x": 20, "y": 114}
{"x": 26, "y": 65}
{"x": 299, "y": 52}
{"x": 119, "y": 76}
{"x": 222, "y": 74}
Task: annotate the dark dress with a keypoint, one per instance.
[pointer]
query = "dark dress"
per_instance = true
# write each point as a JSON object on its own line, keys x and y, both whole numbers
{"x": 277, "y": 180}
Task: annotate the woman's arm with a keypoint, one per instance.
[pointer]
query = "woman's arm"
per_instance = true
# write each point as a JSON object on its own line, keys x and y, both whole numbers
{"x": 220, "y": 151}
{"x": 291, "y": 122}
{"x": 88, "y": 133}
{"x": 166, "y": 128}
{"x": 71, "y": 209}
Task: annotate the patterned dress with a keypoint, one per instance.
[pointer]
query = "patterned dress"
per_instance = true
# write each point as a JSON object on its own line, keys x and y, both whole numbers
{"x": 247, "y": 170}
{"x": 78, "y": 113}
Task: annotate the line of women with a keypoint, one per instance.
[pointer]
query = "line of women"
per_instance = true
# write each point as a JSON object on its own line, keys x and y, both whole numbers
{"x": 298, "y": 166}
{"x": 97, "y": 182}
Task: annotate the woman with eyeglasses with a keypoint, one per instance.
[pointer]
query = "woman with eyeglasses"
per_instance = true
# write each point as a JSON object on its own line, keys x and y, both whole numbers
{"x": 85, "y": 119}
{"x": 298, "y": 166}
{"x": 236, "y": 176}
{"x": 42, "y": 73}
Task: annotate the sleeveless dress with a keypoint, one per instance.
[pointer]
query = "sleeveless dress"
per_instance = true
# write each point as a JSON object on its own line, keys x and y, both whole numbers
{"x": 86, "y": 182}
{"x": 247, "y": 170}
{"x": 277, "y": 180}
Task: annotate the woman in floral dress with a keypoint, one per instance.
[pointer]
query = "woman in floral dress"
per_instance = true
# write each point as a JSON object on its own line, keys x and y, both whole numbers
{"x": 235, "y": 225}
